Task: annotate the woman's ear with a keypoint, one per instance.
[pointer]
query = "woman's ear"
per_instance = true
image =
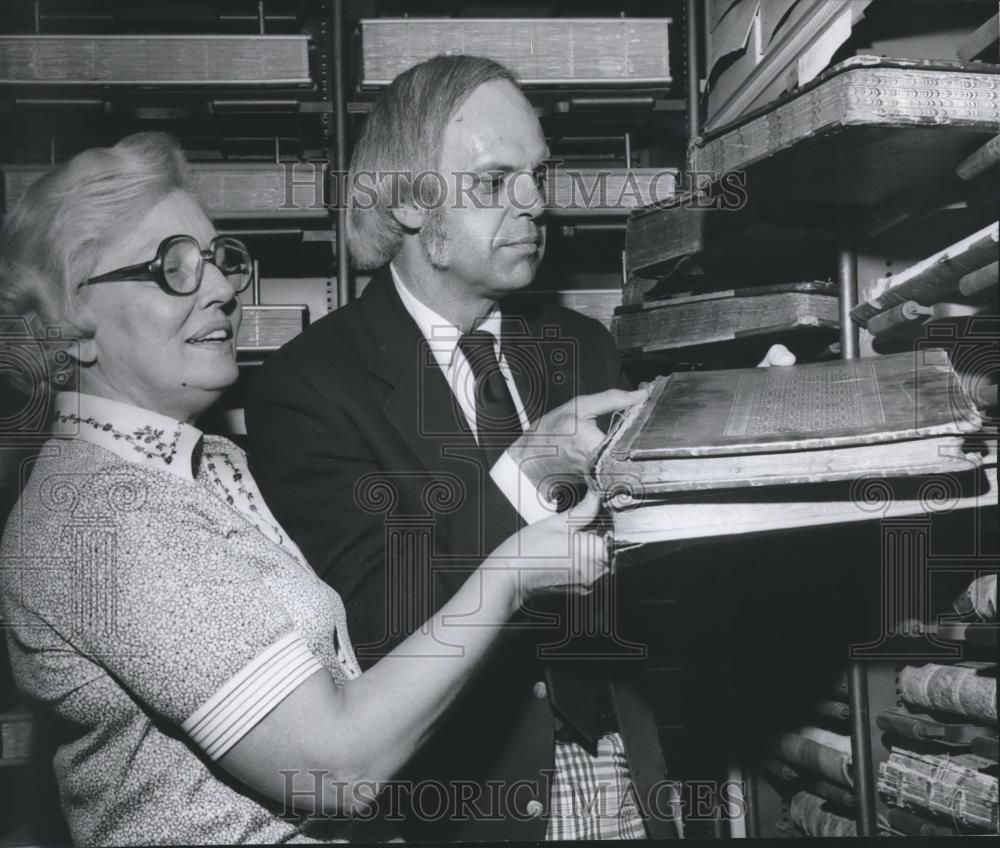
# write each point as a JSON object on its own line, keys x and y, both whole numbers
{"x": 79, "y": 315}
{"x": 85, "y": 350}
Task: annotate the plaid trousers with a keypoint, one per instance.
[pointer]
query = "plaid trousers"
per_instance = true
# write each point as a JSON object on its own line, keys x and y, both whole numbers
{"x": 593, "y": 797}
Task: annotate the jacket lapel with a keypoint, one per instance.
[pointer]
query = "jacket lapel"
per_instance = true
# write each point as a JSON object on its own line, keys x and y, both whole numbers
{"x": 420, "y": 405}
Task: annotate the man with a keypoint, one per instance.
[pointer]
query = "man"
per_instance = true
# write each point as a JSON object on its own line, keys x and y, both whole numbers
{"x": 388, "y": 441}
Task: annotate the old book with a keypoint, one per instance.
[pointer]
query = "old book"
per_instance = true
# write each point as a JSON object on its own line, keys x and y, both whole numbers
{"x": 726, "y": 234}
{"x": 932, "y": 279}
{"x": 607, "y": 191}
{"x": 979, "y": 599}
{"x": 859, "y": 131}
{"x": 777, "y": 45}
{"x": 801, "y": 407}
{"x": 540, "y": 51}
{"x": 814, "y": 817}
{"x": 700, "y": 319}
{"x": 816, "y": 757}
{"x": 912, "y": 457}
{"x": 953, "y": 788}
{"x": 707, "y": 516}
{"x": 827, "y": 443}
{"x": 266, "y": 327}
{"x": 952, "y": 689}
{"x": 227, "y": 190}
{"x": 168, "y": 60}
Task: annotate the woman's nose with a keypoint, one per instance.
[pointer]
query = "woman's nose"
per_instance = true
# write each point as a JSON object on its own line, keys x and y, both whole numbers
{"x": 216, "y": 287}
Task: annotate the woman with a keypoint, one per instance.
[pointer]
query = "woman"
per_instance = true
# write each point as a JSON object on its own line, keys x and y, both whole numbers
{"x": 198, "y": 670}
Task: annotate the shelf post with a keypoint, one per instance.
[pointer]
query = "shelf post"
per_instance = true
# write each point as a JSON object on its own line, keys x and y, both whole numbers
{"x": 337, "y": 41}
{"x": 847, "y": 290}
{"x": 693, "y": 70}
{"x": 861, "y": 750}
{"x": 857, "y": 688}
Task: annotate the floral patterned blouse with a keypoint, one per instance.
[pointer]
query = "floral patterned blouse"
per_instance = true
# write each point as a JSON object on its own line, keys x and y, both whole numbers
{"x": 156, "y": 613}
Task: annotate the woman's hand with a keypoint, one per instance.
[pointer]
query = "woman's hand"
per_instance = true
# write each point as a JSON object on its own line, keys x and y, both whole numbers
{"x": 777, "y": 354}
{"x": 557, "y": 553}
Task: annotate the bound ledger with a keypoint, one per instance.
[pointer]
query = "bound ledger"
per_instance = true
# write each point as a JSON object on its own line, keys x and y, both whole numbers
{"x": 812, "y": 441}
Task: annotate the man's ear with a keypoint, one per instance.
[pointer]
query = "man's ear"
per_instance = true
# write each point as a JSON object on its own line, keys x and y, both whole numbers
{"x": 409, "y": 216}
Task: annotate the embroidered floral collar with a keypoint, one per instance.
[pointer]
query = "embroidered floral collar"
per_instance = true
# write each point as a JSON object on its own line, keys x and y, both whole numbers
{"x": 135, "y": 434}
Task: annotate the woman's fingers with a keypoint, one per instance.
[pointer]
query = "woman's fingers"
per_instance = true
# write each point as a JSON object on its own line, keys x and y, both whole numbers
{"x": 584, "y": 513}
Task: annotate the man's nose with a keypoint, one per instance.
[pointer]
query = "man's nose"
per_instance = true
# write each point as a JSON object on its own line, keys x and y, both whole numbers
{"x": 528, "y": 198}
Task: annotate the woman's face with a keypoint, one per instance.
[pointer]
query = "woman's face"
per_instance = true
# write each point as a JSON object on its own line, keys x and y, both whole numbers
{"x": 173, "y": 355}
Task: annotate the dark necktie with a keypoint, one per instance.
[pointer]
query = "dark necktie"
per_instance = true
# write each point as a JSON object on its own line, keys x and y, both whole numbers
{"x": 497, "y": 421}
{"x": 196, "y": 454}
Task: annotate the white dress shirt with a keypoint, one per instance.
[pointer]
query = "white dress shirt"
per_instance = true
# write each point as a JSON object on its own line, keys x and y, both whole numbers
{"x": 442, "y": 338}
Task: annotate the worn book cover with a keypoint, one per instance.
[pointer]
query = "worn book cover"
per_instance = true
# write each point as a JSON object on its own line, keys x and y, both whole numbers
{"x": 814, "y": 439}
{"x": 802, "y": 407}
{"x": 715, "y": 317}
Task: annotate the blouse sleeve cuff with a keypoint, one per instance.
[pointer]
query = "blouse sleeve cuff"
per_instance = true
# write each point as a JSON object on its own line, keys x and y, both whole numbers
{"x": 250, "y": 694}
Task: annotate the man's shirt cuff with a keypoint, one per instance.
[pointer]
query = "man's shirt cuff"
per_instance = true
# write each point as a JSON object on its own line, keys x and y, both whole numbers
{"x": 531, "y": 505}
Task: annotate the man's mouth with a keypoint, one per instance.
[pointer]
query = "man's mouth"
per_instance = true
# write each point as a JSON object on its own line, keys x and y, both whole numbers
{"x": 528, "y": 242}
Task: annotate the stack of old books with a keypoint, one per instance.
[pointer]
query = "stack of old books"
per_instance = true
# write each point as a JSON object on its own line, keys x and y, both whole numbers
{"x": 759, "y": 49}
{"x": 229, "y": 191}
{"x": 859, "y": 131}
{"x": 687, "y": 293}
{"x": 591, "y": 52}
{"x": 184, "y": 61}
{"x": 723, "y": 453}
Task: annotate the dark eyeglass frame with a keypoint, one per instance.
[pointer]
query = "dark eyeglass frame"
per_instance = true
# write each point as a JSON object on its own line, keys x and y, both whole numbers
{"x": 153, "y": 270}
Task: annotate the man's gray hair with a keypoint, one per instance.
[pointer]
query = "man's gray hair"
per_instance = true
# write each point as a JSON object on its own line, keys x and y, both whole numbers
{"x": 401, "y": 139}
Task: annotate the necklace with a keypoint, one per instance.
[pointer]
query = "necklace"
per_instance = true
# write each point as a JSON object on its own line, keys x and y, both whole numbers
{"x": 147, "y": 440}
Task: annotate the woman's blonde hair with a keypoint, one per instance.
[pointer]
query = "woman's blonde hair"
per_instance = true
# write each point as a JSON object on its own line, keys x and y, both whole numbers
{"x": 54, "y": 235}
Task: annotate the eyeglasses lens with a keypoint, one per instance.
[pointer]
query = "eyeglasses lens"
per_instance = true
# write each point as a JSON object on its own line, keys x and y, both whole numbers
{"x": 182, "y": 266}
{"x": 232, "y": 258}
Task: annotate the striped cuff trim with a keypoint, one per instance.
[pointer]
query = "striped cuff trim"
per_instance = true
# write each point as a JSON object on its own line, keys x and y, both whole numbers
{"x": 250, "y": 694}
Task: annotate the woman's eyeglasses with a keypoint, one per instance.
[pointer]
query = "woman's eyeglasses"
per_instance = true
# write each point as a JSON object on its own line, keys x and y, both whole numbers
{"x": 179, "y": 265}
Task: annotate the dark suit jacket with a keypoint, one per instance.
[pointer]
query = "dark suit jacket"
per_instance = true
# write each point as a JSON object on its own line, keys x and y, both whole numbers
{"x": 366, "y": 460}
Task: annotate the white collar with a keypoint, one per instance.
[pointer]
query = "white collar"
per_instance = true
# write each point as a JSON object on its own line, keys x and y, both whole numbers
{"x": 442, "y": 336}
{"x": 135, "y": 434}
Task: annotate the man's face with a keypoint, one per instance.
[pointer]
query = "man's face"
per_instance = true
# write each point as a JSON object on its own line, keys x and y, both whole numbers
{"x": 489, "y": 237}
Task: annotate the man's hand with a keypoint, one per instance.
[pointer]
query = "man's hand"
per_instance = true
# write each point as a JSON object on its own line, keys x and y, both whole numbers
{"x": 561, "y": 443}
{"x": 777, "y": 354}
